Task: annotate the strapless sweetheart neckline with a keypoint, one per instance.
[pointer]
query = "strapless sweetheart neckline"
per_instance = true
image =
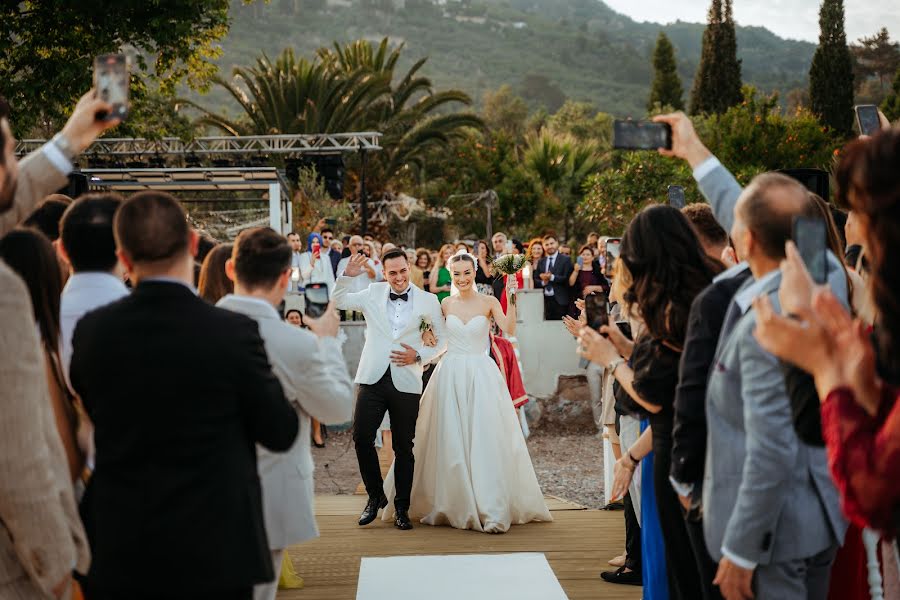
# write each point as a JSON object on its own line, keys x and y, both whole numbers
{"x": 465, "y": 323}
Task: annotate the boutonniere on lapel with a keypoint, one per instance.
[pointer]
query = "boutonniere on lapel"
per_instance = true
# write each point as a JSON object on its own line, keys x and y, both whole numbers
{"x": 427, "y": 331}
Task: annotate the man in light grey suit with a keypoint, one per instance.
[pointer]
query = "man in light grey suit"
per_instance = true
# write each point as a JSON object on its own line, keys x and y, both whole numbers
{"x": 312, "y": 373}
{"x": 771, "y": 512}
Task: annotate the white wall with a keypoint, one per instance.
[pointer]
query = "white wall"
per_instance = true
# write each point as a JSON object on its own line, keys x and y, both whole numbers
{"x": 548, "y": 350}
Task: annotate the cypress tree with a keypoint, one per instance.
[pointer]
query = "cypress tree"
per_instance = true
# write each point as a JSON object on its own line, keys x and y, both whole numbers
{"x": 831, "y": 74}
{"x": 666, "y": 89}
{"x": 717, "y": 84}
{"x": 729, "y": 64}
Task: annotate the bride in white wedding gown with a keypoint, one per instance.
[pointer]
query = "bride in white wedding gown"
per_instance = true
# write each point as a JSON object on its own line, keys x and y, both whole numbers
{"x": 472, "y": 468}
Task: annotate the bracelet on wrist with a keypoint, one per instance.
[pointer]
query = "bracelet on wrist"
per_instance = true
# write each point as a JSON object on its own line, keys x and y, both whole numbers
{"x": 632, "y": 458}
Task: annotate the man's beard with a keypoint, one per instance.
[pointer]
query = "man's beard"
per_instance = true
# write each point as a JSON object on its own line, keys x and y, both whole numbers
{"x": 8, "y": 193}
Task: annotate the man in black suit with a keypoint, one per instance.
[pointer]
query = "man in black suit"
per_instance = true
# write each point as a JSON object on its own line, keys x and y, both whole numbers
{"x": 705, "y": 321}
{"x": 180, "y": 393}
{"x": 554, "y": 271}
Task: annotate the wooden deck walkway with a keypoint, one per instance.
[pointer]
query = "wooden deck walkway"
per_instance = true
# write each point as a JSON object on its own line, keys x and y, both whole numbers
{"x": 577, "y": 545}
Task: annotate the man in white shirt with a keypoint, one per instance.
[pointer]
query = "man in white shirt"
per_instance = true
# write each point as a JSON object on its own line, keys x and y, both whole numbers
{"x": 370, "y": 273}
{"x": 296, "y": 250}
{"x": 89, "y": 246}
{"x": 499, "y": 243}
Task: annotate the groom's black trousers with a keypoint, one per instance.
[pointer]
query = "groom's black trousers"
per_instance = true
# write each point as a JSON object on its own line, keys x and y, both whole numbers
{"x": 371, "y": 404}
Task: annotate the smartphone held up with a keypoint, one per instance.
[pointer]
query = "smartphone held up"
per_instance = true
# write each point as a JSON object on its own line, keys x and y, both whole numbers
{"x": 810, "y": 236}
{"x": 112, "y": 79}
{"x": 676, "y": 196}
{"x": 316, "y": 297}
{"x": 596, "y": 309}
{"x": 641, "y": 135}
{"x": 867, "y": 119}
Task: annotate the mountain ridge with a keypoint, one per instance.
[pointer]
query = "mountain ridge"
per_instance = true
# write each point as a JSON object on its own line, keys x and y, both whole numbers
{"x": 582, "y": 48}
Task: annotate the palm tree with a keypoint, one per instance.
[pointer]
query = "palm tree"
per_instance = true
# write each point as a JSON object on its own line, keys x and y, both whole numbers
{"x": 412, "y": 117}
{"x": 297, "y": 96}
{"x": 560, "y": 164}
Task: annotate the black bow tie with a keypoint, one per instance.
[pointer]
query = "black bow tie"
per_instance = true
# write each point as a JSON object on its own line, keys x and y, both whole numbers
{"x": 404, "y": 296}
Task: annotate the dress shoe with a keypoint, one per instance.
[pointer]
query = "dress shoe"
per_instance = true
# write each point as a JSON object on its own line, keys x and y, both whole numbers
{"x": 371, "y": 510}
{"x": 402, "y": 520}
{"x": 621, "y": 576}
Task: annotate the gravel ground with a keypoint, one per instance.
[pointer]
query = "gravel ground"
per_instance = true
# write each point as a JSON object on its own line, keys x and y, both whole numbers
{"x": 568, "y": 465}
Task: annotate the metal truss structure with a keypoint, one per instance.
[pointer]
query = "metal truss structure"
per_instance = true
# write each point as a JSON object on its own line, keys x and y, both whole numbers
{"x": 320, "y": 143}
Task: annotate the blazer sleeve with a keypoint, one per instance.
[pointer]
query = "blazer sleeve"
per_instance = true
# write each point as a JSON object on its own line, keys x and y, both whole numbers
{"x": 564, "y": 270}
{"x": 32, "y": 514}
{"x": 771, "y": 446}
{"x": 689, "y": 433}
{"x": 864, "y": 456}
{"x": 439, "y": 325}
{"x": 38, "y": 178}
{"x": 535, "y": 277}
{"x": 721, "y": 190}
{"x": 321, "y": 382}
{"x": 346, "y": 300}
{"x": 268, "y": 416}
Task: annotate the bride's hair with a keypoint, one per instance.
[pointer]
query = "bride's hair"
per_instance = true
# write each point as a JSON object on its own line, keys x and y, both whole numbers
{"x": 462, "y": 255}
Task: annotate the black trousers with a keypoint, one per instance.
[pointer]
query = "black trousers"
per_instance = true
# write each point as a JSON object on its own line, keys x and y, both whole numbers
{"x": 372, "y": 402}
{"x": 681, "y": 567}
{"x": 705, "y": 564}
{"x": 553, "y": 310}
{"x": 632, "y": 536}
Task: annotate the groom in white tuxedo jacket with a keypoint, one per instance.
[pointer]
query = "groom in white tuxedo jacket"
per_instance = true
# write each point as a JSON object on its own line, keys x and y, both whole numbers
{"x": 390, "y": 372}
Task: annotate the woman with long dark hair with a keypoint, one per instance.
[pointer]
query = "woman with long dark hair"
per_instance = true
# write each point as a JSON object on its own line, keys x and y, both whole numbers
{"x": 483, "y": 280}
{"x": 214, "y": 284}
{"x": 669, "y": 268}
{"x": 30, "y": 254}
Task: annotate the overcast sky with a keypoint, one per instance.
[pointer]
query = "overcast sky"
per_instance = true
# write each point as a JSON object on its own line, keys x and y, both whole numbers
{"x": 795, "y": 19}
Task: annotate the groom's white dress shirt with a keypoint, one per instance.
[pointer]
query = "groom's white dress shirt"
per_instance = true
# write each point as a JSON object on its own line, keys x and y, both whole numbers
{"x": 387, "y": 327}
{"x": 399, "y": 311}
{"x": 83, "y": 293}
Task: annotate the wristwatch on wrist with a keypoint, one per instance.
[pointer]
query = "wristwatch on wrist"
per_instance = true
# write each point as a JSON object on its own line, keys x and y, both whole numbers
{"x": 611, "y": 367}
{"x": 62, "y": 144}
{"x": 418, "y": 358}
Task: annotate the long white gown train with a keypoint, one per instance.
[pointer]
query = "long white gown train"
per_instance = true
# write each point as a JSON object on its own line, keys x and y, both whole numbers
{"x": 472, "y": 467}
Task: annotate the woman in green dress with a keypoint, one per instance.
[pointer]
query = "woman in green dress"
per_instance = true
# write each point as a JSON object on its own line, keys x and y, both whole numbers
{"x": 440, "y": 275}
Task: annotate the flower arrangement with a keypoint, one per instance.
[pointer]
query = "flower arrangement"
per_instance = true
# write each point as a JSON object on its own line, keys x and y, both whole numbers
{"x": 510, "y": 264}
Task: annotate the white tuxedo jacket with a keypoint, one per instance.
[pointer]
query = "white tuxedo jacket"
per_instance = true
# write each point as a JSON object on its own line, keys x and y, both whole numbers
{"x": 314, "y": 377}
{"x": 380, "y": 340}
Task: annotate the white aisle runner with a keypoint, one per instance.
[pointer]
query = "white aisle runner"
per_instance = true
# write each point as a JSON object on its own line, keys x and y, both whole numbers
{"x": 520, "y": 576}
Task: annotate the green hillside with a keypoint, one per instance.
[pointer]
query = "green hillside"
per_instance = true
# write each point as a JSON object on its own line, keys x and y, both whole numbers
{"x": 580, "y": 48}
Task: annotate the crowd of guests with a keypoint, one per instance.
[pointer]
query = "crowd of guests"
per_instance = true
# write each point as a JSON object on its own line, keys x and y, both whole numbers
{"x": 159, "y": 403}
{"x": 552, "y": 267}
{"x": 756, "y": 415}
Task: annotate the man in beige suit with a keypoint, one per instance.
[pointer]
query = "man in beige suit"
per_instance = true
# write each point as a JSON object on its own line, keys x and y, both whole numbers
{"x": 46, "y": 169}
{"x": 312, "y": 373}
{"x": 41, "y": 538}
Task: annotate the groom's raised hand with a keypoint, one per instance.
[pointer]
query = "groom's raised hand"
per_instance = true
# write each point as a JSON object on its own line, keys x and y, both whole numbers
{"x": 405, "y": 357}
{"x": 355, "y": 265}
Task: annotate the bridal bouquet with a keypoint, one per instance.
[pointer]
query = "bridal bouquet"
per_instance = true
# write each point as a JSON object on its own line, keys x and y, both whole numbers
{"x": 510, "y": 265}
{"x": 427, "y": 331}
